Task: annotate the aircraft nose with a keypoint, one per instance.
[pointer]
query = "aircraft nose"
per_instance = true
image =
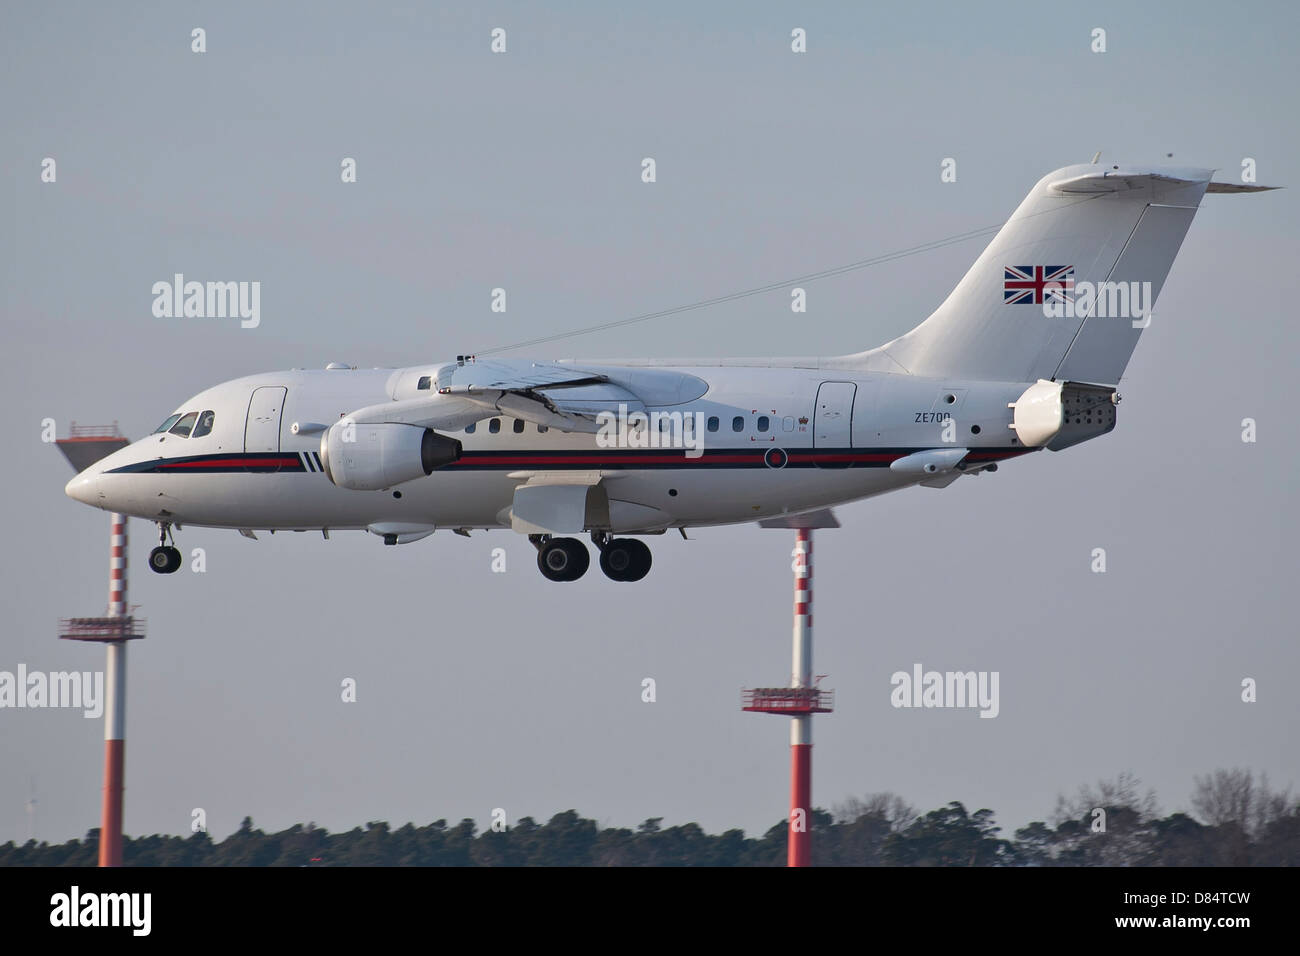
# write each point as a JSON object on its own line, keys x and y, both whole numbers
{"x": 85, "y": 488}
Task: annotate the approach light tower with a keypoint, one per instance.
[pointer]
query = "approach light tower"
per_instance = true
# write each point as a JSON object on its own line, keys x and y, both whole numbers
{"x": 802, "y": 698}
{"x": 84, "y": 446}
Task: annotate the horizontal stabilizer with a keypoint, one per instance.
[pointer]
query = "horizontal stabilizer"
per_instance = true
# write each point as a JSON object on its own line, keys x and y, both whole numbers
{"x": 1238, "y": 188}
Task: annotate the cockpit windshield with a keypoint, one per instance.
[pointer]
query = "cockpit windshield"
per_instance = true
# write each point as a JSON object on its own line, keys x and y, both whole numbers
{"x": 188, "y": 424}
{"x": 185, "y": 425}
{"x": 204, "y": 425}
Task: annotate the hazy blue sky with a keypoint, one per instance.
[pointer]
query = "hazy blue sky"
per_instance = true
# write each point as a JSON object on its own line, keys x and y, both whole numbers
{"x": 480, "y": 690}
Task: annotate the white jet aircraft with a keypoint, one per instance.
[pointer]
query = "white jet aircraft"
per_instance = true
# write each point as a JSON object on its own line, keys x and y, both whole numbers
{"x": 618, "y": 448}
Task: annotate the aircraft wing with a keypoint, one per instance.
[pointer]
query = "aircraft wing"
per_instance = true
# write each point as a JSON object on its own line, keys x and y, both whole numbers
{"x": 558, "y": 396}
{"x": 504, "y": 374}
{"x": 566, "y": 397}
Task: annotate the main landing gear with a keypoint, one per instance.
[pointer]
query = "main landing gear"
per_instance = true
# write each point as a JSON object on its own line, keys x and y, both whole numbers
{"x": 566, "y": 559}
{"x": 164, "y": 559}
{"x": 560, "y": 559}
{"x": 622, "y": 559}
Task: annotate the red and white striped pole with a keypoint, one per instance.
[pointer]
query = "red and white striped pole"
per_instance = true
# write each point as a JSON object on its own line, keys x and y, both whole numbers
{"x": 110, "y": 830}
{"x": 800, "y": 847}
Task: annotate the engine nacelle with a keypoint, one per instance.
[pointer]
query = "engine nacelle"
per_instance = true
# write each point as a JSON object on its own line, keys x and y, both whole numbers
{"x": 371, "y": 457}
{"x": 1060, "y": 414}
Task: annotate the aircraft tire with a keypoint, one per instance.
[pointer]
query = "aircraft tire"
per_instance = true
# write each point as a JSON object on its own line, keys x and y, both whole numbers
{"x": 617, "y": 558}
{"x": 641, "y": 560}
{"x": 563, "y": 559}
{"x": 164, "y": 560}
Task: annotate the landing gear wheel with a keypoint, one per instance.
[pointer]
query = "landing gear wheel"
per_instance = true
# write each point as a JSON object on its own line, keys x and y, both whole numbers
{"x": 616, "y": 558}
{"x": 164, "y": 560}
{"x": 641, "y": 558}
{"x": 563, "y": 559}
{"x": 625, "y": 559}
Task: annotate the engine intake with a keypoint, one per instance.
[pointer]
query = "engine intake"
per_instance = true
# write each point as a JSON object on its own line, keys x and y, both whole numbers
{"x": 371, "y": 457}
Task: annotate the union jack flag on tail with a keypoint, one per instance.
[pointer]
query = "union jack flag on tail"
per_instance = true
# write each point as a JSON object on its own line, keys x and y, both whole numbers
{"x": 1029, "y": 284}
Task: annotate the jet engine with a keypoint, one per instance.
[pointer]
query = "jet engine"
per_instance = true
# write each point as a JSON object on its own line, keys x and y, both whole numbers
{"x": 371, "y": 457}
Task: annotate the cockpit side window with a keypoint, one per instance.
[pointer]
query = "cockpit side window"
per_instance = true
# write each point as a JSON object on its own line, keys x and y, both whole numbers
{"x": 185, "y": 425}
{"x": 171, "y": 420}
{"x": 204, "y": 424}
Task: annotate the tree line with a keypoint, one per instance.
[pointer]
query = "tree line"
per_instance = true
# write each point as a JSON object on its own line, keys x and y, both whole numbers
{"x": 1235, "y": 820}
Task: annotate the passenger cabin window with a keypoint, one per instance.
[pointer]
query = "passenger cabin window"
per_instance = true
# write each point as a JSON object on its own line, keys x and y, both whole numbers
{"x": 738, "y": 424}
{"x": 166, "y": 426}
{"x": 494, "y": 426}
{"x": 185, "y": 425}
{"x": 425, "y": 383}
{"x": 543, "y": 429}
{"x": 519, "y": 426}
{"x": 469, "y": 429}
{"x": 713, "y": 423}
{"x": 204, "y": 425}
{"x": 762, "y": 423}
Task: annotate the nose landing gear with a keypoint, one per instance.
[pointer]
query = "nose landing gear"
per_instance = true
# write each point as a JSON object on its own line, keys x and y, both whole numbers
{"x": 164, "y": 559}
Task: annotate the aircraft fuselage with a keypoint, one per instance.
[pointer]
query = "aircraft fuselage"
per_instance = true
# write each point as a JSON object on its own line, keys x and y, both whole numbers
{"x": 776, "y": 440}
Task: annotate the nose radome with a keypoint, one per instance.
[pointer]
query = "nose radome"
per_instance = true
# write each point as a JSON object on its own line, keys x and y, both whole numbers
{"x": 83, "y": 488}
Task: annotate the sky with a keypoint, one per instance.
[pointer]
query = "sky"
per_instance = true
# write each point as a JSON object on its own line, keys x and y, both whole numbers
{"x": 522, "y": 170}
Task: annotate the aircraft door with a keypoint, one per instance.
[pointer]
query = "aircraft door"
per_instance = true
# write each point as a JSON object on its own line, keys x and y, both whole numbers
{"x": 262, "y": 429}
{"x": 833, "y": 421}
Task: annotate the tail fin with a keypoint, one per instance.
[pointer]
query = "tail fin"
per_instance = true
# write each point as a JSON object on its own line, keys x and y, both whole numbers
{"x": 1081, "y": 224}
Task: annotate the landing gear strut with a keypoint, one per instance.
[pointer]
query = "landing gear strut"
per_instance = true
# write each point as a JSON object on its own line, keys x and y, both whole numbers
{"x": 164, "y": 559}
{"x": 622, "y": 559}
{"x": 560, "y": 559}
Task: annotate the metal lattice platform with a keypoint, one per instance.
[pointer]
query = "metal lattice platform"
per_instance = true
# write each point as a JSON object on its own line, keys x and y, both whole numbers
{"x": 787, "y": 700}
{"x": 101, "y": 628}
